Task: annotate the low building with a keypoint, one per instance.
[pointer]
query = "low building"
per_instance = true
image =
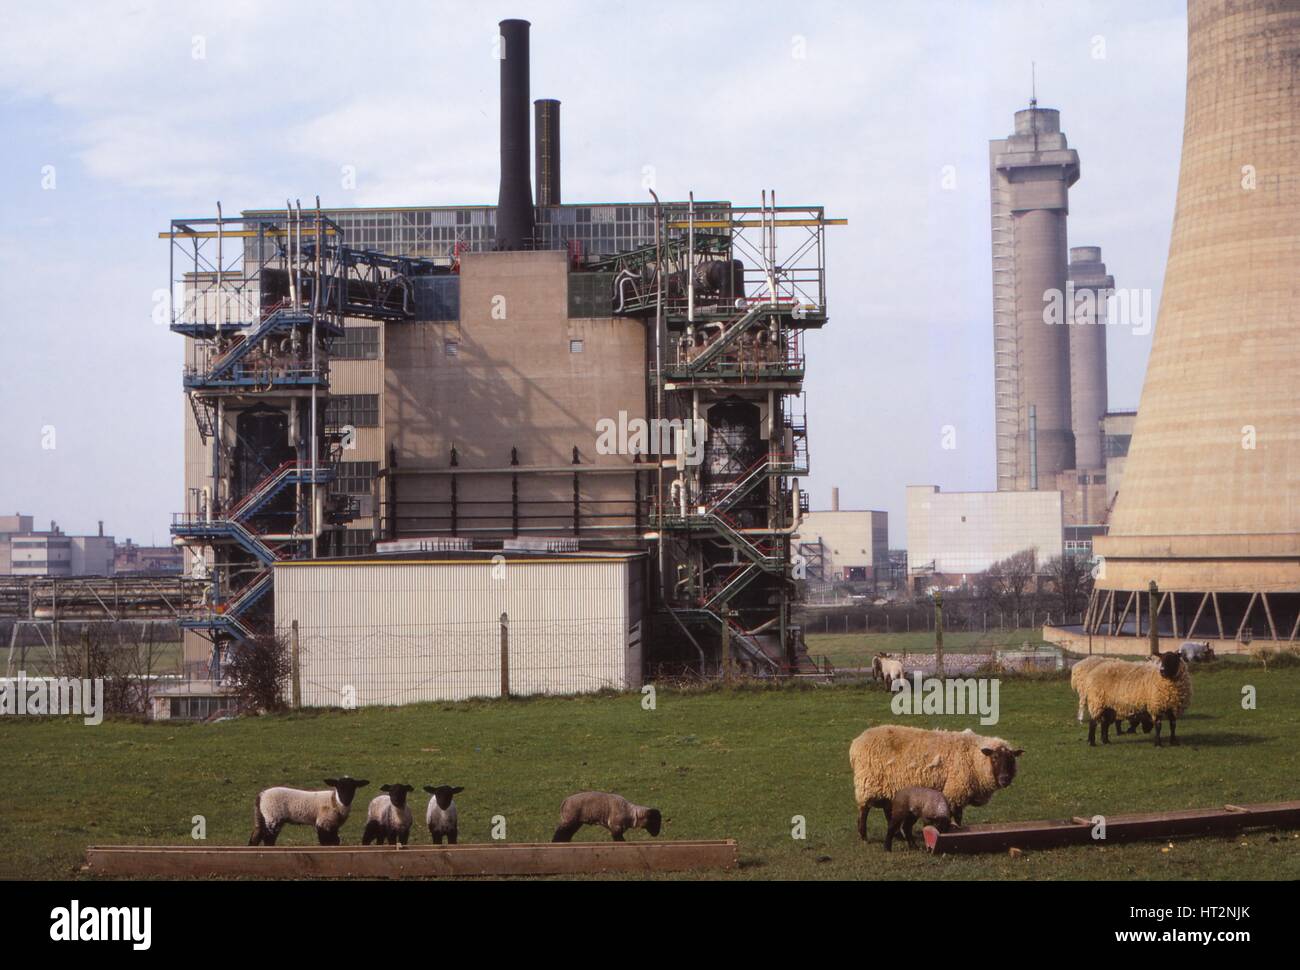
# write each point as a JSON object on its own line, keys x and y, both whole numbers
{"x": 440, "y": 626}
{"x": 130, "y": 558}
{"x": 962, "y": 534}
{"x": 849, "y": 546}
{"x": 26, "y": 552}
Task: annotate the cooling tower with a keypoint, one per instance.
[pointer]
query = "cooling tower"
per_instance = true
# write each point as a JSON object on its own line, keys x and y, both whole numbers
{"x": 1087, "y": 275}
{"x": 1031, "y": 173}
{"x": 1210, "y": 499}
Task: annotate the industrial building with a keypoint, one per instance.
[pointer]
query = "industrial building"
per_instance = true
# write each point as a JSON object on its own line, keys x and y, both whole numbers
{"x": 24, "y": 551}
{"x": 845, "y": 546}
{"x": 1209, "y": 509}
{"x": 531, "y": 378}
{"x": 954, "y": 536}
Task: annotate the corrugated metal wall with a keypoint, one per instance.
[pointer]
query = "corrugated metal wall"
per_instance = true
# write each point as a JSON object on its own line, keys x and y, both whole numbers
{"x": 402, "y": 632}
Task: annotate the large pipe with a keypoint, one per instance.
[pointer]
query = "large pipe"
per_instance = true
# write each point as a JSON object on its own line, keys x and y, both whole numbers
{"x": 515, "y": 202}
{"x": 546, "y": 134}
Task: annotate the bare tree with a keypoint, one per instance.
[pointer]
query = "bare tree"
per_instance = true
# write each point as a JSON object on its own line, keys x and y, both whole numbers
{"x": 259, "y": 671}
{"x": 1070, "y": 580}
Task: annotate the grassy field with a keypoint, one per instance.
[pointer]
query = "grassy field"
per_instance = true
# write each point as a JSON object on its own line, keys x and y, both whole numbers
{"x": 846, "y": 650}
{"x": 720, "y": 764}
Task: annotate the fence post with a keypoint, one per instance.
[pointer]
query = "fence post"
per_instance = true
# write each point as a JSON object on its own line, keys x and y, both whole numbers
{"x": 505, "y": 655}
{"x": 295, "y": 669}
{"x": 938, "y": 633}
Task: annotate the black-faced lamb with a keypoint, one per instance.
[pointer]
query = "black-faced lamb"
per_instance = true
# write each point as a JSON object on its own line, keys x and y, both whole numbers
{"x": 389, "y": 817}
{"x": 326, "y": 811}
{"x": 1119, "y": 689}
{"x": 910, "y": 804}
{"x": 1196, "y": 650}
{"x": 967, "y": 768}
{"x": 886, "y": 668}
{"x": 614, "y": 812}
{"x": 441, "y": 816}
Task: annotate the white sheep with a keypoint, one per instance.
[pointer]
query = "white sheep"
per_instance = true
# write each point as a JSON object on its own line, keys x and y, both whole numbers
{"x": 1120, "y": 689}
{"x": 325, "y": 810}
{"x": 886, "y": 668}
{"x": 441, "y": 816}
{"x": 1196, "y": 650}
{"x": 389, "y": 817}
{"x": 965, "y": 767}
{"x": 1079, "y": 674}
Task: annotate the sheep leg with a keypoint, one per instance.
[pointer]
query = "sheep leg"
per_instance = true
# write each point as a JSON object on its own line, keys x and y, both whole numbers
{"x": 327, "y": 837}
{"x": 270, "y": 835}
{"x": 404, "y": 837}
{"x": 1173, "y": 728}
{"x": 956, "y": 814}
{"x": 451, "y": 838}
{"x": 433, "y": 834}
{"x": 890, "y": 831}
{"x": 907, "y": 830}
{"x": 1107, "y": 718}
{"x": 1092, "y": 735}
{"x": 565, "y": 832}
{"x": 370, "y": 833}
{"x": 618, "y": 835}
{"x": 862, "y": 822}
{"x": 1158, "y": 723}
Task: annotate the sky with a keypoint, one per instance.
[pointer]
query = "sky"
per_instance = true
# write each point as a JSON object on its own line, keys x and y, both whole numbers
{"x": 117, "y": 117}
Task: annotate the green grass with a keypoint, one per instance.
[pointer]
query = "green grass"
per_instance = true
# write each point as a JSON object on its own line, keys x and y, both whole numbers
{"x": 720, "y": 764}
{"x": 856, "y": 649}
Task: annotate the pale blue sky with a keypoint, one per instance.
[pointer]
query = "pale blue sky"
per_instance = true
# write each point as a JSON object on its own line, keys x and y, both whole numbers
{"x": 138, "y": 130}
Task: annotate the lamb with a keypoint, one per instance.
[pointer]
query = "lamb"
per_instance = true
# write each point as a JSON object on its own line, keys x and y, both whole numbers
{"x": 1122, "y": 689}
{"x": 614, "y": 812}
{"x": 965, "y": 767}
{"x": 1196, "y": 650}
{"x": 441, "y": 816}
{"x": 908, "y": 805}
{"x": 886, "y": 668}
{"x": 389, "y": 817}
{"x": 1078, "y": 679}
{"x": 326, "y": 810}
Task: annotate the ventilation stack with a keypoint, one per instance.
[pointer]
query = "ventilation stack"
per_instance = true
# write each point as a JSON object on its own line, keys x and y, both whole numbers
{"x": 546, "y": 125}
{"x": 515, "y": 202}
{"x": 1087, "y": 329}
{"x": 1209, "y": 505}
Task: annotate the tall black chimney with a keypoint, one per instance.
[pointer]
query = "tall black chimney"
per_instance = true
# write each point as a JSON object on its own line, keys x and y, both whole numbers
{"x": 546, "y": 134}
{"x": 515, "y": 203}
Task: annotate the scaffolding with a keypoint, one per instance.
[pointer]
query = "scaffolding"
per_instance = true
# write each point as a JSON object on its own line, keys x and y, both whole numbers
{"x": 729, "y": 294}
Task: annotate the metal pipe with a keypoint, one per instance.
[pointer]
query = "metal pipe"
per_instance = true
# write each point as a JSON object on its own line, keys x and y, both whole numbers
{"x": 659, "y": 388}
{"x": 219, "y": 235}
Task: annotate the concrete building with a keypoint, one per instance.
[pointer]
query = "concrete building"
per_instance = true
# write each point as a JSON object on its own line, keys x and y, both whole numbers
{"x": 962, "y": 534}
{"x": 1116, "y": 436}
{"x": 845, "y": 546}
{"x": 53, "y": 553}
{"x": 11, "y": 525}
{"x": 449, "y": 626}
{"x": 1209, "y": 508}
{"x": 1031, "y": 172}
{"x": 130, "y": 558}
{"x": 1091, "y": 288}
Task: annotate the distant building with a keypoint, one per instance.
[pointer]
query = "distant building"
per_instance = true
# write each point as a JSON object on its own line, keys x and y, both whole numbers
{"x": 29, "y": 553}
{"x": 845, "y": 546}
{"x": 962, "y": 534}
{"x": 130, "y": 558}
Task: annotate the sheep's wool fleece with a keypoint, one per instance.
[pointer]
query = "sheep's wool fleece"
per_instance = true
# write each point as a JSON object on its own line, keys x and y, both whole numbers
{"x": 1131, "y": 688}
{"x": 439, "y": 820}
{"x": 891, "y": 757}
{"x": 1080, "y": 670}
{"x": 319, "y": 808}
{"x": 601, "y": 808}
{"x": 891, "y": 669}
{"x": 383, "y": 811}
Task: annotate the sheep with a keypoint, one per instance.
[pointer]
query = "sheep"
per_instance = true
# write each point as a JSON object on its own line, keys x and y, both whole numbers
{"x": 912, "y": 803}
{"x": 614, "y": 812}
{"x": 1078, "y": 679}
{"x": 964, "y": 766}
{"x": 1122, "y": 689}
{"x": 886, "y": 668}
{"x": 389, "y": 817}
{"x": 441, "y": 816}
{"x": 326, "y": 810}
{"x": 1196, "y": 650}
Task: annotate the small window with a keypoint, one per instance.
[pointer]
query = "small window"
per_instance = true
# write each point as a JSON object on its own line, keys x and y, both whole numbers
{"x": 575, "y": 346}
{"x": 451, "y": 348}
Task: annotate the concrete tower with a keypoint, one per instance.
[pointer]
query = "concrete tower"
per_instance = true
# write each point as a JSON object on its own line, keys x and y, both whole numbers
{"x": 1030, "y": 174}
{"x": 1087, "y": 275}
{"x": 1209, "y": 507}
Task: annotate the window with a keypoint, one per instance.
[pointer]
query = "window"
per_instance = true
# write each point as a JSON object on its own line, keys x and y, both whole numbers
{"x": 358, "y": 542}
{"x": 591, "y": 295}
{"x": 451, "y": 348}
{"x": 358, "y": 410}
{"x": 354, "y": 477}
{"x": 575, "y": 346}
{"x": 196, "y": 708}
{"x": 357, "y": 343}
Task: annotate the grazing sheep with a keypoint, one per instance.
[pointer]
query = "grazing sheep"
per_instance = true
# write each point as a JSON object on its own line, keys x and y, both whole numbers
{"x": 326, "y": 810}
{"x": 441, "y": 816}
{"x": 1196, "y": 650}
{"x": 964, "y": 766}
{"x": 1121, "y": 689}
{"x": 912, "y": 803}
{"x": 1078, "y": 680}
{"x": 389, "y": 817}
{"x": 886, "y": 668}
{"x": 614, "y": 812}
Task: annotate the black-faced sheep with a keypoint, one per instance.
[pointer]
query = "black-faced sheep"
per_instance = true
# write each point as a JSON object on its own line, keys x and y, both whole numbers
{"x": 1120, "y": 689}
{"x": 964, "y": 766}
{"x": 389, "y": 817}
{"x": 325, "y": 810}
{"x": 614, "y": 812}
{"x": 910, "y": 804}
{"x": 441, "y": 816}
{"x": 1078, "y": 683}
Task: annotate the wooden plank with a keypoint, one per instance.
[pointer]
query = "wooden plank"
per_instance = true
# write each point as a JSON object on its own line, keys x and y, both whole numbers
{"x": 487, "y": 859}
{"x": 995, "y": 837}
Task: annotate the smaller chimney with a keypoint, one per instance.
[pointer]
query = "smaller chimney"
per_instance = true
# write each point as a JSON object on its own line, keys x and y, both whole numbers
{"x": 546, "y": 134}
{"x": 835, "y": 498}
{"x": 101, "y": 528}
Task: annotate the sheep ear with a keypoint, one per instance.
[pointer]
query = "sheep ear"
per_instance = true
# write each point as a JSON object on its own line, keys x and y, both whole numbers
{"x": 385, "y": 787}
{"x": 1017, "y": 752}
{"x": 987, "y": 751}
{"x": 332, "y": 782}
{"x": 457, "y": 790}
{"x": 361, "y": 783}
{"x": 430, "y": 789}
